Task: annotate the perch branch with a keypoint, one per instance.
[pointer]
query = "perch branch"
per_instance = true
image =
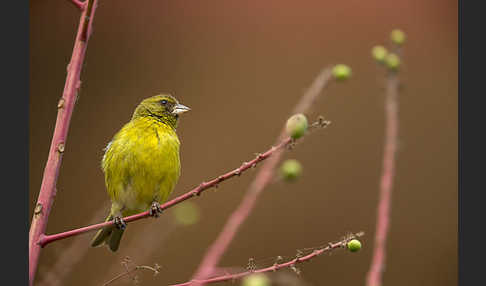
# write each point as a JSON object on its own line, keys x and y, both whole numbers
{"x": 262, "y": 179}
{"x": 305, "y": 104}
{"x": 65, "y": 109}
{"x": 374, "y": 276}
{"x": 277, "y": 266}
{"x": 46, "y": 239}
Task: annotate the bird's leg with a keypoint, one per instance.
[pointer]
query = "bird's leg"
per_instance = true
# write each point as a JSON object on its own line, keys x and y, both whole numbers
{"x": 155, "y": 209}
{"x": 119, "y": 222}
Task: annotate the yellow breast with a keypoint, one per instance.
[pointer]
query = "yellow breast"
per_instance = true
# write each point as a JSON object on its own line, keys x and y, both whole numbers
{"x": 141, "y": 165}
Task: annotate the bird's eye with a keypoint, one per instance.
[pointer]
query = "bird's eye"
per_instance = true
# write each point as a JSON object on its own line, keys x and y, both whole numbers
{"x": 163, "y": 102}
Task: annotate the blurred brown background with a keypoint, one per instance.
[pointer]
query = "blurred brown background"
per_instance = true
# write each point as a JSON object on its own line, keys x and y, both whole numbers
{"x": 242, "y": 66}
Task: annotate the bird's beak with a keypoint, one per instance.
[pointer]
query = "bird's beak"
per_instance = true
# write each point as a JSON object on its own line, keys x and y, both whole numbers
{"x": 179, "y": 108}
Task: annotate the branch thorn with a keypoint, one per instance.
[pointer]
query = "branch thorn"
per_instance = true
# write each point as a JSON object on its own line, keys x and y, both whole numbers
{"x": 295, "y": 269}
{"x": 60, "y": 147}
{"x": 60, "y": 104}
{"x": 38, "y": 209}
{"x": 251, "y": 265}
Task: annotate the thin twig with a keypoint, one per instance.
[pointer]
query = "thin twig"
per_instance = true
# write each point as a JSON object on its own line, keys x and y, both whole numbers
{"x": 374, "y": 277}
{"x": 143, "y": 253}
{"x": 262, "y": 179}
{"x": 277, "y": 266}
{"x": 65, "y": 109}
{"x": 134, "y": 269}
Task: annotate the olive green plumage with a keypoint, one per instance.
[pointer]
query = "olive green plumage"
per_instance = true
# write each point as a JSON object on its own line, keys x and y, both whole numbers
{"x": 141, "y": 163}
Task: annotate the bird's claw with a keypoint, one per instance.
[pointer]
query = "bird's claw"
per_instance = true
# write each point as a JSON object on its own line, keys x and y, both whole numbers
{"x": 155, "y": 209}
{"x": 120, "y": 223}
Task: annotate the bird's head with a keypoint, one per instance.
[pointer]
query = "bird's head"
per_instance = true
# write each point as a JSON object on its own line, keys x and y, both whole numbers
{"x": 162, "y": 107}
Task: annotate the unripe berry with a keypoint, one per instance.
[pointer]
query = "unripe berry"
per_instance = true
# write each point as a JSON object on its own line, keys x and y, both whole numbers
{"x": 354, "y": 245}
{"x": 186, "y": 213}
{"x": 341, "y": 72}
{"x": 257, "y": 279}
{"x": 290, "y": 170}
{"x": 297, "y": 125}
{"x": 398, "y": 37}
{"x": 379, "y": 53}
{"x": 392, "y": 61}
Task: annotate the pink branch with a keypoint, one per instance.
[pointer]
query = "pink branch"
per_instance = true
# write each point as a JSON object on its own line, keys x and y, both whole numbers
{"x": 46, "y": 239}
{"x": 262, "y": 179}
{"x": 79, "y": 4}
{"x": 374, "y": 277}
{"x": 65, "y": 109}
{"x": 276, "y": 266}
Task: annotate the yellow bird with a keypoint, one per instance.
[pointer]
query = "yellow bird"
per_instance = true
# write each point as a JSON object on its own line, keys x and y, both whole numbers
{"x": 141, "y": 164}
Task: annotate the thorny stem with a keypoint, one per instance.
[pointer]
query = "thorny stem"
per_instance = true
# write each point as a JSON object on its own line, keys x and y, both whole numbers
{"x": 277, "y": 266}
{"x": 262, "y": 179}
{"x": 65, "y": 109}
{"x": 46, "y": 239}
{"x": 374, "y": 277}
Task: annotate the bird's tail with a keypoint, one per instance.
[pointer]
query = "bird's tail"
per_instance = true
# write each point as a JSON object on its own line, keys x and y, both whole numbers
{"x": 109, "y": 235}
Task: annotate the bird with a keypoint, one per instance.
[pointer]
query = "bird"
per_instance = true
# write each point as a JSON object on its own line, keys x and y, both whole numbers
{"x": 141, "y": 164}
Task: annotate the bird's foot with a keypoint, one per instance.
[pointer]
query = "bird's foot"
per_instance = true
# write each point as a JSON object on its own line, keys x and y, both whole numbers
{"x": 155, "y": 209}
{"x": 119, "y": 222}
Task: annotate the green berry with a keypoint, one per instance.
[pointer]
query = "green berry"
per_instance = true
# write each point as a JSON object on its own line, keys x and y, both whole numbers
{"x": 392, "y": 61}
{"x": 257, "y": 279}
{"x": 354, "y": 245}
{"x": 186, "y": 213}
{"x": 297, "y": 125}
{"x": 341, "y": 72}
{"x": 291, "y": 169}
{"x": 398, "y": 37}
{"x": 379, "y": 53}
